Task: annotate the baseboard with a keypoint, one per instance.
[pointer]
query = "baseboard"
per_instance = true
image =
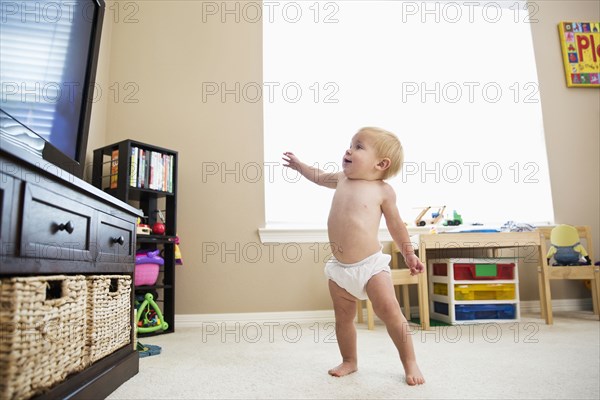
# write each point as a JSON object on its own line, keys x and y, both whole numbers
{"x": 533, "y": 306}
{"x": 300, "y": 317}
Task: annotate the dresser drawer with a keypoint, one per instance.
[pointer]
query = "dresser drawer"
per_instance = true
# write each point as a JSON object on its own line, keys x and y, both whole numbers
{"x": 56, "y": 227}
{"x": 115, "y": 239}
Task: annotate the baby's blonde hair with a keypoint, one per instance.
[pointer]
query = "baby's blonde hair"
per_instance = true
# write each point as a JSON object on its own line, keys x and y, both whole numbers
{"x": 387, "y": 145}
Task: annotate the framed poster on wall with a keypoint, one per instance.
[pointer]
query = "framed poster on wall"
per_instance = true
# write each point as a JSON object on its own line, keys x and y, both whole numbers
{"x": 580, "y": 42}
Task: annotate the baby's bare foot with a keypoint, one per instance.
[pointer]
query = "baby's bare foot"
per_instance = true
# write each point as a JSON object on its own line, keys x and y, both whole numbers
{"x": 414, "y": 375}
{"x": 345, "y": 368}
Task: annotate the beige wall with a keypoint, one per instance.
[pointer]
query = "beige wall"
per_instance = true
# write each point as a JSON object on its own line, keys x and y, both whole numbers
{"x": 161, "y": 62}
{"x": 572, "y": 127}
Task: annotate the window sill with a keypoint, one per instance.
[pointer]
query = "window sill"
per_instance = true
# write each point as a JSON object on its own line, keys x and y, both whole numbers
{"x": 276, "y": 233}
{"x": 287, "y": 233}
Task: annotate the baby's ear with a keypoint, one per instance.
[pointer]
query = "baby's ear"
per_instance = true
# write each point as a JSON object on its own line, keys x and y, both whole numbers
{"x": 384, "y": 164}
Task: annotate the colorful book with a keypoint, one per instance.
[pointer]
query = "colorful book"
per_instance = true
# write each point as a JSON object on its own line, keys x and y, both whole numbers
{"x": 142, "y": 169}
{"x": 580, "y": 42}
{"x": 133, "y": 167}
{"x": 170, "y": 188}
{"x": 114, "y": 169}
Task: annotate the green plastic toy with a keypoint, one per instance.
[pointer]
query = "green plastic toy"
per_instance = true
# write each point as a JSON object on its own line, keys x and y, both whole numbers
{"x": 148, "y": 325}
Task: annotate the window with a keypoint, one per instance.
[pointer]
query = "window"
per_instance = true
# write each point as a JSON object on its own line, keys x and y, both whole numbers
{"x": 456, "y": 81}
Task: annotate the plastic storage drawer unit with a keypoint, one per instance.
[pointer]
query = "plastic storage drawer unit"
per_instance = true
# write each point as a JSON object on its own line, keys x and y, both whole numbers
{"x": 474, "y": 290}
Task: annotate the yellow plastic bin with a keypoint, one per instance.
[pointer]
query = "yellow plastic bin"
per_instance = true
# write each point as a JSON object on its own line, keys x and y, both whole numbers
{"x": 440, "y": 288}
{"x": 485, "y": 291}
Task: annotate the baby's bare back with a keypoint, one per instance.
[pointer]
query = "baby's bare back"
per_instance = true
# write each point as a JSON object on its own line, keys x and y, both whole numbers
{"x": 354, "y": 219}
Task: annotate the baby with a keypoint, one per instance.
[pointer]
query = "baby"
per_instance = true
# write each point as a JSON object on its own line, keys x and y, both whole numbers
{"x": 358, "y": 268}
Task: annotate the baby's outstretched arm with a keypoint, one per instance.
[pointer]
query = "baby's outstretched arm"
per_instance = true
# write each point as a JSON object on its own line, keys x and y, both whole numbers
{"x": 327, "y": 179}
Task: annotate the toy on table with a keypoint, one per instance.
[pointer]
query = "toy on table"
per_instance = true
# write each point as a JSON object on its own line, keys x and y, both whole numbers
{"x": 147, "y": 265}
{"x": 148, "y": 317}
{"x": 566, "y": 248}
{"x": 455, "y": 221}
{"x": 435, "y": 217}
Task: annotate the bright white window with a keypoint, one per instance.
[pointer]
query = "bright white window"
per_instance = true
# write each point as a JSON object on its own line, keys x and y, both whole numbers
{"x": 456, "y": 81}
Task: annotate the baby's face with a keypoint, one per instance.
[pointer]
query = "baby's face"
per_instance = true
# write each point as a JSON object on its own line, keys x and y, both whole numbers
{"x": 360, "y": 160}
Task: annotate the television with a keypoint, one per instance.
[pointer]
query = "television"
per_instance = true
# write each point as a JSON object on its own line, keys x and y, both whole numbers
{"x": 49, "y": 52}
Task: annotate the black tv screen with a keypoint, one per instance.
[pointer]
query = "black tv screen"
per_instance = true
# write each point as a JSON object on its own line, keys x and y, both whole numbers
{"x": 49, "y": 52}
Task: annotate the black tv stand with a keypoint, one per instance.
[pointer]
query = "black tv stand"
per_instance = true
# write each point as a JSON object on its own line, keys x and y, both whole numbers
{"x": 25, "y": 180}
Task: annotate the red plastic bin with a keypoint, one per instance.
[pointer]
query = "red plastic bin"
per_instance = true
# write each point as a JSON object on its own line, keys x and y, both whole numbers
{"x": 440, "y": 269}
{"x": 474, "y": 272}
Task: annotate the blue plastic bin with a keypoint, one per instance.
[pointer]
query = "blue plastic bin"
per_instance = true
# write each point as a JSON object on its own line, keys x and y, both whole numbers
{"x": 466, "y": 312}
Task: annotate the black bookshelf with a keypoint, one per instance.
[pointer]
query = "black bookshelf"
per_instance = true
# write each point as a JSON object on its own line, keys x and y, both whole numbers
{"x": 150, "y": 188}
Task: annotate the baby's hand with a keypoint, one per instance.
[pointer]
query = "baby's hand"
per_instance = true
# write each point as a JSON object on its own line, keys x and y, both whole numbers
{"x": 414, "y": 264}
{"x": 292, "y": 161}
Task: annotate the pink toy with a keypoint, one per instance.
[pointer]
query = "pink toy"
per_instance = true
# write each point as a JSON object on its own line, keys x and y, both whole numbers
{"x": 146, "y": 274}
{"x": 147, "y": 265}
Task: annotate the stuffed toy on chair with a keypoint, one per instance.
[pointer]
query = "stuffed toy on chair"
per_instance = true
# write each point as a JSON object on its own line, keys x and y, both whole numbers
{"x": 566, "y": 248}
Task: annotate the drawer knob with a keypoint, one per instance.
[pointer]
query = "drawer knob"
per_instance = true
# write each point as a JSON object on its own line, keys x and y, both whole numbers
{"x": 67, "y": 227}
{"x": 119, "y": 240}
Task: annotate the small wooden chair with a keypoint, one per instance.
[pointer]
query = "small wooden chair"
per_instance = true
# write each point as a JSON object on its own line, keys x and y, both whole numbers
{"x": 401, "y": 277}
{"x": 579, "y": 272}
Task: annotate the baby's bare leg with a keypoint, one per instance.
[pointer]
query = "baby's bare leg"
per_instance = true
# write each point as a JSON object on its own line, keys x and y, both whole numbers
{"x": 381, "y": 293}
{"x": 344, "y": 306}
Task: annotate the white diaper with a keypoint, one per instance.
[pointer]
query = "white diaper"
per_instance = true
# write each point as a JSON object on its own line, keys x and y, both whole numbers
{"x": 354, "y": 277}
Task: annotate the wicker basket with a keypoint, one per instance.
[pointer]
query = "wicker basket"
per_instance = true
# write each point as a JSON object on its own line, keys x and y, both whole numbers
{"x": 42, "y": 332}
{"x": 108, "y": 315}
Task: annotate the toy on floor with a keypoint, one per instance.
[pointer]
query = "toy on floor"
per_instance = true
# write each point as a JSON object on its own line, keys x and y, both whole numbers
{"x": 565, "y": 247}
{"x": 146, "y": 350}
{"x": 148, "y": 317}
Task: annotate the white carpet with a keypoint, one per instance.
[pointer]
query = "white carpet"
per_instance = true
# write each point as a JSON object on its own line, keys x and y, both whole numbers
{"x": 263, "y": 360}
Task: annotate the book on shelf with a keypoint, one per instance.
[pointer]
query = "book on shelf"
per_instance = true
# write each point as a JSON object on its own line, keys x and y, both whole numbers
{"x": 133, "y": 176}
{"x": 114, "y": 168}
{"x": 151, "y": 170}
{"x": 147, "y": 169}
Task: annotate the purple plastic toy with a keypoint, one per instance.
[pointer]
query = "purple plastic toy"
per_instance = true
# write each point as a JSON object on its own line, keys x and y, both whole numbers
{"x": 149, "y": 257}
